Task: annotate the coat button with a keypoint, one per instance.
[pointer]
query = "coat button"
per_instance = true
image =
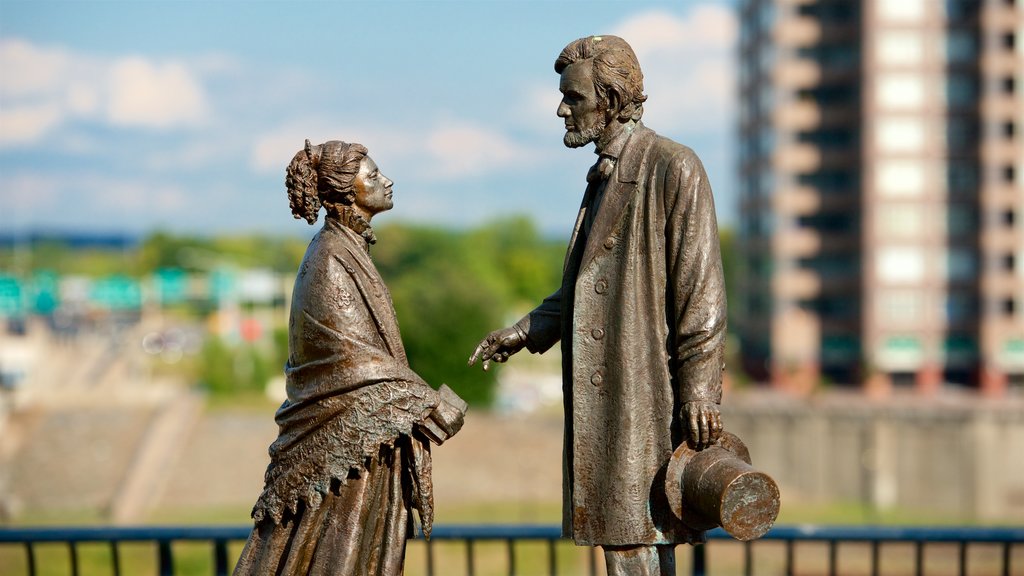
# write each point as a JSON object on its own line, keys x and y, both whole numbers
{"x": 597, "y": 379}
{"x": 601, "y": 286}
{"x": 597, "y": 333}
{"x": 609, "y": 243}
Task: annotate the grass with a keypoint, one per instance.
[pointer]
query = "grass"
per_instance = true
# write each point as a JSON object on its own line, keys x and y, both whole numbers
{"x": 492, "y": 558}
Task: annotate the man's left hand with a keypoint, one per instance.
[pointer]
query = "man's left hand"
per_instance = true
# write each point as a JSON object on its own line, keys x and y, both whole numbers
{"x": 703, "y": 422}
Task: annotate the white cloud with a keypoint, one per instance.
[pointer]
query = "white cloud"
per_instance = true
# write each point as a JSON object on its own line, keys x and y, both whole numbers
{"x": 273, "y": 151}
{"x": 706, "y": 28}
{"x": 688, "y": 65}
{"x": 152, "y": 94}
{"x": 448, "y": 150}
{"x": 75, "y": 197}
{"x": 44, "y": 88}
{"x": 464, "y": 149}
{"x": 28, "y": 123}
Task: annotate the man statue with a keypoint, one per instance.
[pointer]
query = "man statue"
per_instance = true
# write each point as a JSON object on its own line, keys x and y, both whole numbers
{"x": 640, "y": 313}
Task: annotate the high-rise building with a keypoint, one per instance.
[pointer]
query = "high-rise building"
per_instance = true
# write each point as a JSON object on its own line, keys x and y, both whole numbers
{"x": 882, "y": 203}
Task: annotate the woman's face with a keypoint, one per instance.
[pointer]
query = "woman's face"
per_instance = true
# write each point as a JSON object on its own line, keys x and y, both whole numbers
{"x": 372, "y": 189}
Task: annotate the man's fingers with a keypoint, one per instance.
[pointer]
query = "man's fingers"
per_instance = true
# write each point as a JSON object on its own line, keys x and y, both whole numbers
{"x": 483, "y": 350}
{"x": 476, "y": 354}
{"x": 694, "y": 429}
{"x": 705, "y": 433}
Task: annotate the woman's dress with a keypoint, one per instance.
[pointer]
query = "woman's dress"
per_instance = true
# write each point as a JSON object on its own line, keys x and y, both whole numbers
{"x": 348, "y": 466}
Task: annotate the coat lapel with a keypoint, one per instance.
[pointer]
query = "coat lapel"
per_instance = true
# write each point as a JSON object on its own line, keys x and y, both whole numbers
{"x": 620, "y": 188}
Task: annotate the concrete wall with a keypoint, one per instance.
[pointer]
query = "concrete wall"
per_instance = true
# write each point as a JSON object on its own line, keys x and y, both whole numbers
{"x": 961, "y": 458}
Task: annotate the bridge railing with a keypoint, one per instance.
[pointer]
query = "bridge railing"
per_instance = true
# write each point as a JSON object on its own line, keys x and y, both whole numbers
{"x": 1003, "y": 549}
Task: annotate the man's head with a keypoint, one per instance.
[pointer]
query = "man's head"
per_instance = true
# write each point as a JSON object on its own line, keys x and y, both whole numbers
{"x": 601, "y": 84}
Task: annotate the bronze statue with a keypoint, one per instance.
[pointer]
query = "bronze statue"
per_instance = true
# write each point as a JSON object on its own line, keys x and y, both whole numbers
{"x": 641, "y": 315}
{"x": 352, "y": 459}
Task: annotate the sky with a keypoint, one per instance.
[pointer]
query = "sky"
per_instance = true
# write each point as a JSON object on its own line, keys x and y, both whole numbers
{"x": 182, "y": 115}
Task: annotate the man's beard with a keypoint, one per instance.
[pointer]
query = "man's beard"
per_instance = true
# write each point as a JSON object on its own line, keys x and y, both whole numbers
{"x": 579, "y": 138}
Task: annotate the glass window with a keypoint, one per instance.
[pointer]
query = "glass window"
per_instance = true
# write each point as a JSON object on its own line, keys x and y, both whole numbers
{"x": 961, "y": 177}
{"x": 959, "y": 307}
{"x": 1008, "y": 41}
{"x": 900, "y": 134}
{"x": 839, "y": 348}
{"x": 961, "y": 90}
{"x": 899, "y": 91}
{"x": 961, "y": 220}
{"x": 900, "y": 307}
{"x": 960, "y": 347}
{"x": 900, "y": 265}
{"x": 960, "y": 264}
{"x": 901, "y": 11}
{"x": 900, "y": 177}
{"x": 961, "y": 45}
{"x": 829, "y": 222}
{"x": 900, "y": 352}
{"x": 962, "y": 133}
{"x": 899, "y": 48}
{"x": 899, "y": 220}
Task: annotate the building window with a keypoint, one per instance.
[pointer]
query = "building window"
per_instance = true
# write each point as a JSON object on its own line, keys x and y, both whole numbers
{"x": 900, "y": 352}
{"x": 960, "y": 264}
{"x": 961, "y": 133}
{"x": 894, "y": 48}
{"x": 1008, "y": 41}
{"x": 900, "y": 134}
{"x": 900, "y": 265}
{"x": 960, "y": 10}
{"x": 959, "y": 307}
{"x": 962, "y": 178}
{"x": 961, "y": 90}
{"x": 900, "y": 307}
{"x": 960, "y": 347}
{"x": 899, "y": 220}
{"x": 900, "y": 177}
{"x": 829, "y": 222}
{"x": 899, "y": 91}
{"x": 829, "y": 139}
{"x": 1008, "y": 85}
{"x": 1007, "y": 262}
{"x": 1008, "y": 130}
{"x": 839, "y": 348}
{"x": 961, "y": 220}
{"x": 902, "y": 11}
{"x": 829, "y": 181}
{"x": 1008, "y": 218}
{"x": 961, "y": 45}
{"x": 1009, "y": 174}
{"x": 1008, "y": 306}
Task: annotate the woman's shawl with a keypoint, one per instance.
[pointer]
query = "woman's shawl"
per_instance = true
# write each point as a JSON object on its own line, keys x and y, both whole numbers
{"x": 350, "y": 388}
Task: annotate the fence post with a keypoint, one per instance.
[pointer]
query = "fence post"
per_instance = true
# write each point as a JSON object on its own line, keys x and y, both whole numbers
{"x": 699, "y": 567}
{"x": 165, "y": 558}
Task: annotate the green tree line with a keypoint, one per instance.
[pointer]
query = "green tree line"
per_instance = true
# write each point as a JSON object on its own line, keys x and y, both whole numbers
{"x": 449, "y": 287}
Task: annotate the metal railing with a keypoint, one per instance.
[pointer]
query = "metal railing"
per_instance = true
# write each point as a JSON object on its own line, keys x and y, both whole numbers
{"x": 1006, "y": 541}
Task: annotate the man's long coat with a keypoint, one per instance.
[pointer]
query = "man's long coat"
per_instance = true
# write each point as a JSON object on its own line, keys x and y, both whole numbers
{"x": 641, "y": 316}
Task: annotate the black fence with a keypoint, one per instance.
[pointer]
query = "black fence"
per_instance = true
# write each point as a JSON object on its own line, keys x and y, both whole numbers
{"x": 1003, "y": 549}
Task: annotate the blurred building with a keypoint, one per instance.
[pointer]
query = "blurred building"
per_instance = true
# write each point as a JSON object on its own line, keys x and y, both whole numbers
{"x": 882, "y": 216}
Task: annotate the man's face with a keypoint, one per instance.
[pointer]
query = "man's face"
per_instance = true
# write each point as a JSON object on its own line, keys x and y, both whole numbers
{"x": 584, "y": 111}
{"x": 372, "y": 189}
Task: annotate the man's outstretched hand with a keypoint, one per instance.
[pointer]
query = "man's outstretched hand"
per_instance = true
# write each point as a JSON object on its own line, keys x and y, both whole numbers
{"x": 703, "y": 422}
{"x": 498, "y": 346}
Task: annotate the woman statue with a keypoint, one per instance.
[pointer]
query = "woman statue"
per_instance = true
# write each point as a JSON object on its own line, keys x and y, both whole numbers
{"x": 352, "y": 458}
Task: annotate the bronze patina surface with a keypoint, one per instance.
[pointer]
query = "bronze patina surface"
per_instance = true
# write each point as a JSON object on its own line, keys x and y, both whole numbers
{"x": 352, "y": 458}
{"x": 641, "y": 317}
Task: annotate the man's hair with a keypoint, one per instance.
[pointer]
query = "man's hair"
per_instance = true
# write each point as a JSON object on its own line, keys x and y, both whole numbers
{"x": 616, "y": 71}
